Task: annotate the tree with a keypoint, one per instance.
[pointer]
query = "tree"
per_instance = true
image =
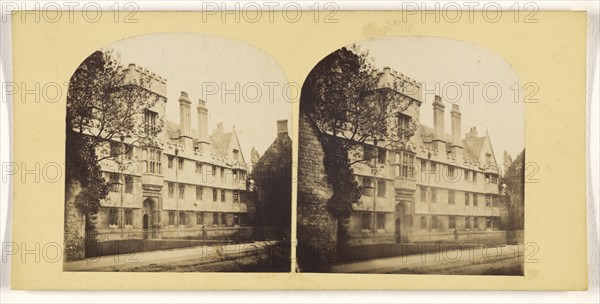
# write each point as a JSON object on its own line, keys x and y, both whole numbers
{"x": 344, "y": 100}
{"x": 106, "y": 104}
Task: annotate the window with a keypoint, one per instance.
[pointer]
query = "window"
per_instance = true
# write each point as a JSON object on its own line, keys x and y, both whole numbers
{"x": 115, "y": 149}
{"x": 181, "y": 218}
{"x": 129, "y": 152}
{"x": 128, "y": 184}
{"x": 223, "y": 177}
{"x": 236, "y": 154}
{"x": 199, "y": 167}
{"x": 494, "y": 179}
{"x": 380, "y": 221}
{"x": 423, "y": 194}
{"x": 180, "y": 163}
{"x": 424, "y": 223}
{"x": 467, "y": 198}
{"x": 467, "y": 174}
{"x": 434, "y": 223}
{"x": 170, "y": 161}
{"x": 407, "y": 167}
{"x": 222, "y": 195}
{"x": 423, "y": 166}
{"x": 113, "y": 217}
{"x": 488, "y": 158}
{"x": 488, "y": 223}
{"x": 214, "y": 170}
{"x": 452, "y": 222}
{"x": 215, "y": 219}
{"x": 223, "y": 219}
{"x": 181, "y": 191}
{"x": 366, "y": 221}
{"x": 451, "y": 197}
{"x": 433, "y": 195}
{"x": 381, "y": 188}
{"x": 234, "y": 172}
{"x": 171, "y": 189}
{"x": 171, "y": 218}
{"x": 381, "y": 155}
{"x": 475, "y": 223}
{"x": 214, "y": 194}
{"x": 474, "y": 176}
{"x": 236, "y": 196}
{"x": 468, "y": 221}
{"x": 397, "y": 162}
{"x": 433, "y": 168}
{"x": 404, "y": 125}
{"x": 451, "y": 172}
{"x": 475, "y": 199}
{"x": 367, "y": 186}
{"x": 128, "y": 217}
{"x": 150, "y": 119}
{"x": 199, "y": 219}
{"x": 199, "y": 191}
{"x": 115, "y": 182}
{"x": 488, "y": 200}
{"x": 153, "y": 161}
{"x": 495, "y": 200}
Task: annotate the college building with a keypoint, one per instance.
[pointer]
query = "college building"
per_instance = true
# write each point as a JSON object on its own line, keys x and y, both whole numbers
{"x": 190, "y": 184}
{"x": 439, "y": 185}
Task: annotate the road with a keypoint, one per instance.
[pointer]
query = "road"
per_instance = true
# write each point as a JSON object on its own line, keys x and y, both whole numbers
{"x": 507, "y": 260}
{"x": 232, "y": 257}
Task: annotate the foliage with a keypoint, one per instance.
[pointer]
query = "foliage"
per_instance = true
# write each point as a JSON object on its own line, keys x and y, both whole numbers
{"x": 345, "y": 100}
{"x": 106, "y": 104}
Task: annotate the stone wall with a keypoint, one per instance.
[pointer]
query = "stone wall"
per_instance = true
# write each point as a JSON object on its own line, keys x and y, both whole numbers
{"x": 74, "y": 225}
{"x": 317, "y": 233}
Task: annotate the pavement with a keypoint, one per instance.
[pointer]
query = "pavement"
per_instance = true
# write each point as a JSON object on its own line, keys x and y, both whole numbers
{"x": 475, "y": 260}
{"x": 205, "y": 253}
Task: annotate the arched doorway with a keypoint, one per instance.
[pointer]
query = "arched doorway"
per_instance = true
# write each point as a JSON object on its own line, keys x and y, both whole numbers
{"x": 399, "y": 215}
{"x": 148, "y": 220}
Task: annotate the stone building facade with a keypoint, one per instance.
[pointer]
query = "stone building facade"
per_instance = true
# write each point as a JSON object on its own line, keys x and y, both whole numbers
{"x": 437, "y": 186}
{"x": 191, "y": 184}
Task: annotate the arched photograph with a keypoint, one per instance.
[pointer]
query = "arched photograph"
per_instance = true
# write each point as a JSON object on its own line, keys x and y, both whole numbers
{"x": 179, "y": 155}
{"x": 411, "y": 160}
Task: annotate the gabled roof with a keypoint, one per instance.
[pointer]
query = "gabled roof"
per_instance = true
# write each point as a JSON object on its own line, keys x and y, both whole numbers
{"x": 471, "y": 145}
{"x": 219, "y": 141}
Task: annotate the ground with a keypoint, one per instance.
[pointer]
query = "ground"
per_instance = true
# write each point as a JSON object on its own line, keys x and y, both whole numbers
{"x": 506, "y": 260}
{"x": 268, "y": 256}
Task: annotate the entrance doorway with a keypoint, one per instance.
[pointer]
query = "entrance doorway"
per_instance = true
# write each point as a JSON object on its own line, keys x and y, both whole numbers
{"x": 399, "y": 215}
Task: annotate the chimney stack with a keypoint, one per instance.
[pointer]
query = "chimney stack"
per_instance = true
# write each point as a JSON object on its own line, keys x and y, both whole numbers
{"x": 438, "y": 124}
{"x": 202, "y": 126}
{"x": 184, "y": 120}
{"x": 282, "y": 127}
{"x": 456, "y": 146}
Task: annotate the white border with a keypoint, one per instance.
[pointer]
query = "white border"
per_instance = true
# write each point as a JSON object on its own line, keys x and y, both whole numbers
{"x": 592, "y": 295}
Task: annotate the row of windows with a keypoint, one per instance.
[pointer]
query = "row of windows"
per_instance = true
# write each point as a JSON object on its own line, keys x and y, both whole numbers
{"x": 370, "y": 185}
{"x": 218, "y": 219}
{"x": 471, "y": 222}
{"x": 116, "y": 182}
{"x": 367, "y": 221}
{"x": 217, "y": 194}
{"x": 490, "y": 200}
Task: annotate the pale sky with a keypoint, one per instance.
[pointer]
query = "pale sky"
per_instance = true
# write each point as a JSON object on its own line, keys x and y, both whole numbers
{"x": 452, "y": 63}
{"x": 191, "y": 62}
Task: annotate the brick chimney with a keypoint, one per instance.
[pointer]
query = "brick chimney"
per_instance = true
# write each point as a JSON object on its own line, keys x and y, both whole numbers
{"x": 438, "y": 124}
{"x": 282, "y": 127}
{"x": 202, "y": 126}
{"x": 456, "y": 146}
{"x": 184, "y": 120}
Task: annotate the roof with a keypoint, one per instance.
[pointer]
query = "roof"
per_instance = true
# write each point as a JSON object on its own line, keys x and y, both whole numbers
{"x": 471, "y": 145}
{"x": 219, "y": 141}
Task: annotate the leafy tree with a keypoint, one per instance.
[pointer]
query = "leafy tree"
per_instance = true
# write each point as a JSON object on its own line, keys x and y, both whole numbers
{"x": 345, "y": 100}
{"x": 106, "y": 104}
